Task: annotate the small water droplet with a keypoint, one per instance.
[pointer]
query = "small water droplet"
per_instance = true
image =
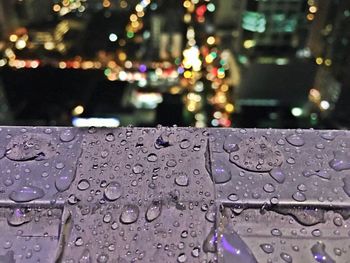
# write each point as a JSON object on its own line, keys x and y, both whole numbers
{"x": 286, "y": 257}
{"x": 267, "y": 248}
{"x": 110, "y": 137}
{"x": 83, "y": 185}
{"x": 276, "y": 232}
{"x": 269, "y": 188}
{"x": 182, "y": 179}
{"x": 152, "y": 157}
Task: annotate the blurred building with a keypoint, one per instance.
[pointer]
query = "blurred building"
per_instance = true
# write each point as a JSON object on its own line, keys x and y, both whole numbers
{"x": 273, "y": 26}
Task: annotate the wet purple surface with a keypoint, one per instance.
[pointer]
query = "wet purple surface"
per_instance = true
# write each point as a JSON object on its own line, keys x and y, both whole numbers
{"x": 174, "y": 195}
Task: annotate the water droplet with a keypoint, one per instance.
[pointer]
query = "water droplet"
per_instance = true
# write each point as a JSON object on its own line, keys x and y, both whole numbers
{"x": 319, "y": 253}
{"x": 231, "y": 143}
{"x": 102, "y": 258}
{"x": 79, "y": 242}
{"x": 59, "y": 165}
{"x": 220, "y": 172}
{"x": 83, "y": 185}
{"x": 67, "y": 135}
{"x": 110, "y": 137}
{"x": 154, "y": 210}
{"x": 137, "y": 169}
{"x": 341, "y": 161}
{"x": 257, "y": 155}
{"x": 276, "y": 232}
{"x": 338, "y": 221}
{"x": 113, "y": 191}
{"x": 209, "y": 244}
{"x": 26, "y": 194}
{"x": 184, "y": 144}
{"x": 291, "y": 160}
{"x": 182, "y": 179}
{"x": 286, "y": 257}
{"x": 233, "y": 197}
{"x": 63, "y": 182}
{"x": 267, "y": 248}
{"x": 152, "y": 157}
{"x": 299, "y": 196}
{"x": 130, "y": 214}
{"x": 269, "y": 188}
{"x": 329, "y": 136}
{"x": 302, "y": 187}
{"x": 316, "y": 233}
{"x": 233, "y": 249}
{"x": 277, "y": 174}
{"x": 171, "y": 163}
{"x": 20, "y": 216}
{"x": 195, "y": 252}
{"x": 295, "y": 140}
{"x": 30, "y": 147}
{"x": 181, "y": 258}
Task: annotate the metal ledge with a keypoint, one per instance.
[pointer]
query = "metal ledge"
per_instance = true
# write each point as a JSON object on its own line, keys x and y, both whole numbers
{"x": 174, "y": 195}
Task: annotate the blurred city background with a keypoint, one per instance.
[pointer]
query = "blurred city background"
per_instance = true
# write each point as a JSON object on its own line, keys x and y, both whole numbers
{"x": 203, "y": 63}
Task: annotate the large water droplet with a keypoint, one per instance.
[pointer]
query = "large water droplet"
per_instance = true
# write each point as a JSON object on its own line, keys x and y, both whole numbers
{"x": 341, "y": 161}
{"x": 154, "y": 210}
{"x": 20, "y": 216}
{"x": 277, "y": 174}
{"x": 210, "y": 243}
{"x": 63, "y": 182}
{"x": 220, "y": 172}
{"x": 295, "y": 140}
{"x": 319, "y": 253}
{"x": 26, "y": 194}
{"x": 113, "y": 191}
{"x": 233, "y": 249}
{"x": 129, "y": 215}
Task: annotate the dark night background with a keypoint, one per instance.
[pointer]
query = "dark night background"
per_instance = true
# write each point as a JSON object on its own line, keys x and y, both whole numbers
{"x": 203, "y": 63}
